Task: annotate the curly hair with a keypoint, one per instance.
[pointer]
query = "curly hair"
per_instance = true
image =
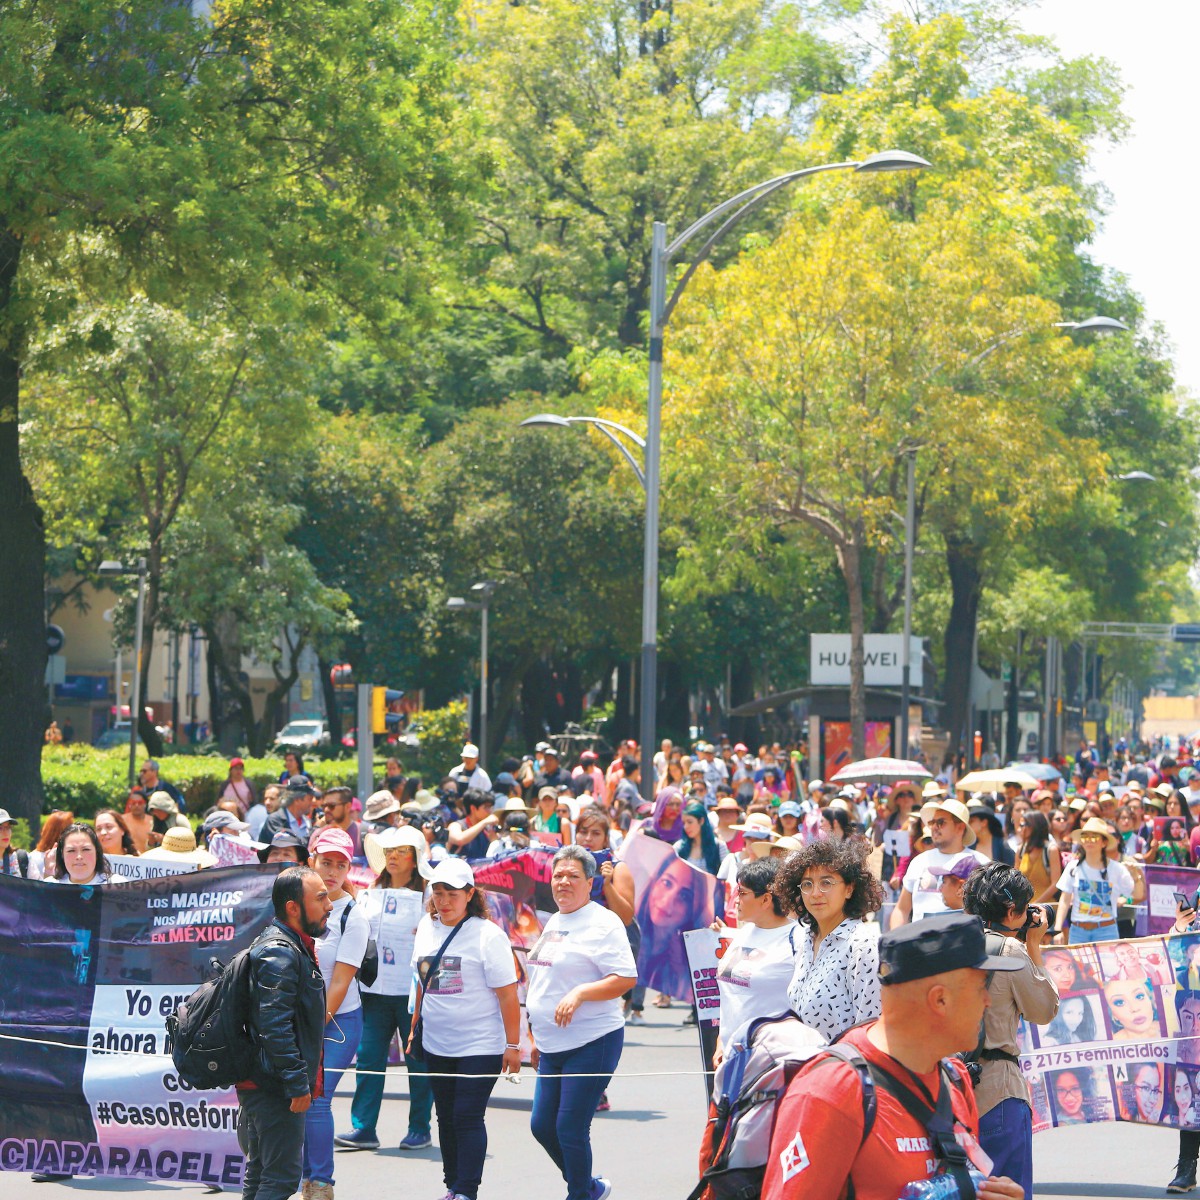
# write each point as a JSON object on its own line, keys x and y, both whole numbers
{"x": 845, "y": 858}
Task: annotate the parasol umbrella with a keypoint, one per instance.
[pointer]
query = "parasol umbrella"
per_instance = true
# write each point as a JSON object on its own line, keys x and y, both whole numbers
{"x": 881, "y": 770}
{"x": 1042, "y": 772}
{"x": 989, "y": 781}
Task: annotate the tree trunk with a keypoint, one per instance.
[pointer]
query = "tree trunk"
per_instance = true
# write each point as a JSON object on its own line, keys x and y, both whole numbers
{"x": 1012, "y": 742}
{"x": 850, "y": 561}
{"x": 625, "y": 716}
{"x": 510, "y": 680}
{"x": 150, "y": 736}
{"x": 333, "y": 715}
{"x": 966, "y": 588}
{"x": 24, "y": 712}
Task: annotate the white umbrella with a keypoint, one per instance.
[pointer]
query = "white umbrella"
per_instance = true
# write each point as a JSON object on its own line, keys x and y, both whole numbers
{"x": 989, "y": 781}
{"x": 881, "y": 770}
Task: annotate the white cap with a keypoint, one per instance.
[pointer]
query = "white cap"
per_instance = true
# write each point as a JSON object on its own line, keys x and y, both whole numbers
{"x": 470, "y": 750}
{"x": 453, "y": 872}
{"x": 5, "y": 819}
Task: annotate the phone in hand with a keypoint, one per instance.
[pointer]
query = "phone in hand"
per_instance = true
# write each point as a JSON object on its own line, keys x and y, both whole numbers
{"x": 1185, "y": 901}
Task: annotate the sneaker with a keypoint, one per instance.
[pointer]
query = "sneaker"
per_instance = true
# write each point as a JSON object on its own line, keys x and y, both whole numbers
{"x": 604, "y": 1105}
{"x": 635, "y": 1018}
{"x": 690, "y": 1019}
{"x": 601, "y": 1189}
{"x": 360, "y": 1139}
{"x": 416, "y": 1141}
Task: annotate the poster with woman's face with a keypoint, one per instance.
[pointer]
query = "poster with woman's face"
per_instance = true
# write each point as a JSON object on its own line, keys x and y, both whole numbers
{"x": 1142, "y": 1091}
{"x": 1081, "y": 1018}
{"x": 1143, "y": 959}
{"x": 1080, "y": 1096}
{"x": 1074, "y": 970}
{"x": 1134, "y": 1010}
{"x": 1182, "y": 1097}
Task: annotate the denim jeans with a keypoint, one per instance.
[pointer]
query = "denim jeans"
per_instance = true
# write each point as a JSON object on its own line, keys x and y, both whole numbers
{"x": 382, "y": 1017}
{"x": 341, "y": 1041}
{"x": 636, "y": 994}
{"x": 460, "y": 1105}
{"x": 563, "y": 1106}
{"x": 1084, "y": 937}
{"x": 271, "y": 1137}
{"x": 1006, "y": 1134}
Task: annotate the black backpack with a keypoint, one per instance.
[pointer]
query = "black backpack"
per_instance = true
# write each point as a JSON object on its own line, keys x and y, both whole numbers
{"x": 210, "y": 1045}
{"x": 368, "y": 972}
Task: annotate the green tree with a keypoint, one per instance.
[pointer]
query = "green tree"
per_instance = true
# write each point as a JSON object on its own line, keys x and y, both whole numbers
{"x": 309, "y": 140}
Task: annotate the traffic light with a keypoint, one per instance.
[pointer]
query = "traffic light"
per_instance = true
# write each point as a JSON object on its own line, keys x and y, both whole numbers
{"x": 379, "y": 710}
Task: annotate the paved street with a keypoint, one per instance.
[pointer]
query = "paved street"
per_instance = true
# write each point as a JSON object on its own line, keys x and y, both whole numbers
{"x": 647, "y": 1144}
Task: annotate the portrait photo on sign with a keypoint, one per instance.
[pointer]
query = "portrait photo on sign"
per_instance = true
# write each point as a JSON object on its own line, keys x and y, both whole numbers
{"x": 1073, "y": 970}
{"x": 1080, "y": 1018}
{"x": 1134, "y": 1010}
{"x": 1185, "y": 960}
{"x": 1080, "y": 1095}
{"x": 1141, "y": 1091}
{"x": 1182, "y": 1097}
{"x": 1184, "y": 1022}
{"x": 1142, "y": 959}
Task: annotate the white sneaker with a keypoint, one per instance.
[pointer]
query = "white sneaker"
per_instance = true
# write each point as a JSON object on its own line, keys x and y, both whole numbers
{"x": 601, "y": 1189}
{"x": 635, "y": 1018}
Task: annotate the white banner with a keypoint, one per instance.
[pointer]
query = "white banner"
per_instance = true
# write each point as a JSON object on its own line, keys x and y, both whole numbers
{"x": 127, "y": 867}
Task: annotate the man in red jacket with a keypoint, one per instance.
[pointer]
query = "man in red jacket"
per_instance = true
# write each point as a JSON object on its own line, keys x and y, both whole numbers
{"x": 934, "y": 974}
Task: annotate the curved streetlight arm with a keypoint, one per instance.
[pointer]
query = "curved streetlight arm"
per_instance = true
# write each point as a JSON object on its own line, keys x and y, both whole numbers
{"x": 636, "y": 439}
{"x": 616, "y": 441}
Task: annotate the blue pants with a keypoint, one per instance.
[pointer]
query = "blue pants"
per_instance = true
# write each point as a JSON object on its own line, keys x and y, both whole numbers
{"x": 341, "y": 1041}
{"x": 1006, "y": 1134}
{"x": 382, "y": 1017}
{"x": 1084, "y": 937}
{"x": 636, "y": 994}
{"x": 563, "y": 1106}
{"x": 460, "y": 1106}
{"x": 270, "y": 1136}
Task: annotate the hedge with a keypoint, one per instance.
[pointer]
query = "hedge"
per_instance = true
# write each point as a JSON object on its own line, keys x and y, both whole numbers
{"x": 83, "y": 779}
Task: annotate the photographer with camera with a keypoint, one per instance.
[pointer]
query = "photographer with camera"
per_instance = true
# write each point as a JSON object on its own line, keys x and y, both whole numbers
{"x": 999, "y": 895}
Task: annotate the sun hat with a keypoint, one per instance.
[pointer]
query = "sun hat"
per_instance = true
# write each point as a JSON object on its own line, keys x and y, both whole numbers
{"x": 932, "y": 790}
{"x": 954, "y": 808}
{"x": 376, "y": 846}
{"x": 331, "y": 840}
{"x": 452, "y": 872}
{"x": 1096, "y": 825}
{"x": 285, "y": 838}
{"x": 757, "y": 825}
{"x": 787, "y": 845}
{"x": 180, "y": 843}
{"x": 379, "y": 805}
{"x": 727, "y": 804}
{"x": 1165, "y": 790}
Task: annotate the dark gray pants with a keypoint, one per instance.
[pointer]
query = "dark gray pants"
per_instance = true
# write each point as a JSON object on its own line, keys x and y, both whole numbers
{"x": 272, "y": 1139}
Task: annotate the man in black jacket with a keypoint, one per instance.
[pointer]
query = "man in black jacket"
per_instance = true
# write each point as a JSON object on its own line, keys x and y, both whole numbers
{"x": 287, "y": 1023}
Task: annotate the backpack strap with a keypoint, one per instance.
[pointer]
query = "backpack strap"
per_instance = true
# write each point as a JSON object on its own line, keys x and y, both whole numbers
{"x": 23, "y": 863}
{"x": 346, "y": 916}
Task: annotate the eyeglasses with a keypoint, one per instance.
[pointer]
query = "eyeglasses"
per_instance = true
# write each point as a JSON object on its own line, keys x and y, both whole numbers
{"x": 1072, "y": 1089}
{"x": 1090, "y": 837}
{"x": 824, "y": 884}
{"x": 1149, "y": 1089}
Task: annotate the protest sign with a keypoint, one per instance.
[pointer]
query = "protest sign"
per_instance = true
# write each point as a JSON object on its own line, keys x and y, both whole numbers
{"x": 703, "y": 946}
{"x": 233, "y": 852}
{"x": 1162, "y": 882}
{"x": 133, "y": 866}
{"x": 88, "y": 1085}
{"x": 1125, "y": 1045}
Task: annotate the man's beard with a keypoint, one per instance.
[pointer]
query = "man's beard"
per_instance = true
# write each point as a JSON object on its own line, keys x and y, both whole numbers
{"x": 315, "y": 929}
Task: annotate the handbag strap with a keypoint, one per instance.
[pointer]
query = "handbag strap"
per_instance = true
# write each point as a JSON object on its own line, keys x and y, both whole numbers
{"x": 435, "y": 962}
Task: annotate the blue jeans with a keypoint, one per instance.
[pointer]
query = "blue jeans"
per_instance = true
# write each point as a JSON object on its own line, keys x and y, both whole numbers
{"x": 563, "y": 1106}
{"x": 636, "y": 994}
{"x": 382, "y": 1017}
{"x": 1006, "y": 1134}
{"x": 460, "y": 1105}
{"x": 1085, "y": 937}
{"x": 341, "y": 1041}
{"x": 270, "y": 1136}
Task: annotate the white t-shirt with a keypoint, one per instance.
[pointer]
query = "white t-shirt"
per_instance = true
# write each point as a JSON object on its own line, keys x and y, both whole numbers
{"x": 575, "y": 948}
{"x": 394, "y": 914}
{"x": 753, "y": 975}
{"x": 1095, "y": 894}
{"x": 926, "y": 889}
{"x": 334, "y": 947}
{"x": 460, "y": 1011}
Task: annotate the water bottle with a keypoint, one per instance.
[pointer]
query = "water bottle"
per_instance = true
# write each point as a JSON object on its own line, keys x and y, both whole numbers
{"x": 938, "y": 1187}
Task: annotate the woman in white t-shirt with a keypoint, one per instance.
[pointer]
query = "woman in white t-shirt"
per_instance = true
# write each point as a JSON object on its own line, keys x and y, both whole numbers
{"x": 394, "y": 905}
{"x": 79, "y": 858}
{"x": 340, "y": 953}
{"x": 467, "y": 1015}
{"x": 756, "y": 968}
{"x": 1093, "y": 885}
{"x": 579, "y": 969}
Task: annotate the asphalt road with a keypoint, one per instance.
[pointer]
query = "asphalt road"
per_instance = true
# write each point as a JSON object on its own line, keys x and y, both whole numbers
{"x": 647, "y": 1144}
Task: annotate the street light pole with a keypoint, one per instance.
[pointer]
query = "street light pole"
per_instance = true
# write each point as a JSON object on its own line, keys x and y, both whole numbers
{"x": 485, "y": 588}
{"x": 136, "y": 711}
{"x": 910, "y": 522}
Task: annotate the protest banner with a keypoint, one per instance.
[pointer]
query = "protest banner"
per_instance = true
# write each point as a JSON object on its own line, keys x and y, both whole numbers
{"x": 671, "y": 897}
{"x": 88, "y": 1086}
{"x": 126, "y": 867}
{"x": 703, "y": 949}
{"x": 233, "y": 852}
{"x": 1125, "y": 1045}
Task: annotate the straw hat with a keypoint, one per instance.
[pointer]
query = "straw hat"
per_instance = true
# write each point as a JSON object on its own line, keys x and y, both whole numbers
{"x": 178, "y": 844}
{"x": 376, "y": 846}
{"x": 1095, "y": 825}
{"x": 379, "y": 805}
{"x": 932, "y": 790}
{"x": 954, "y": 808}
{"x": 757, "y": 823}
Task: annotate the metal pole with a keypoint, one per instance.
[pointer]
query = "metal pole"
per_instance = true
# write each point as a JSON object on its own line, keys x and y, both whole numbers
{"x": 483, "y": 684}
{"x": 658, "y": 295}
{"x": 135, "y": 703}
{"x": 366, "y": 744}
{"x": 910, "y": 518}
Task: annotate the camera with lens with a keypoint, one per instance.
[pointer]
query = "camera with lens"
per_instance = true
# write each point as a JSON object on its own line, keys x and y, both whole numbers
{"x": 1030, "y": 916}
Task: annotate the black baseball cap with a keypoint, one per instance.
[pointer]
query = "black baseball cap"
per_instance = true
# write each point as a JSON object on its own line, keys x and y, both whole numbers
{"x": 934, "y": 945}
{"x": 285, "y": 838}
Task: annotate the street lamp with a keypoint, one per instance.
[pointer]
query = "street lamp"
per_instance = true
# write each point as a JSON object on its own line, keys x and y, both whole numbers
{"x": 484, "y": 591}
{"x": 662, "y": 255}
{"x": 113, "y": 567}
